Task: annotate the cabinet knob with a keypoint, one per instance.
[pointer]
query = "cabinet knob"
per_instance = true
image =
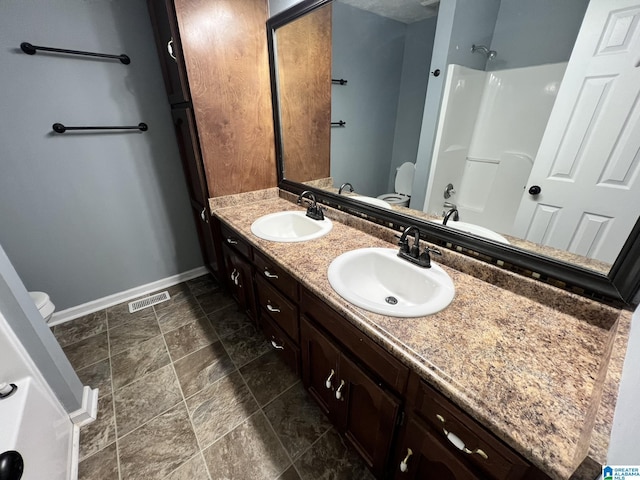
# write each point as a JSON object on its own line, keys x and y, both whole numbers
{"x": 339, "y": 395}
{"x": 327, "y": 382}
{"x": 404, "y": 467}
{"x": 203, "y": 215}
{"x": 457, "y": 442}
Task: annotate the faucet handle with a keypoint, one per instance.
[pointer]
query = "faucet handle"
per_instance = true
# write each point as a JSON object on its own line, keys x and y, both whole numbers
{"x": 403, "y": 243}
{"x": 433, "y": 250}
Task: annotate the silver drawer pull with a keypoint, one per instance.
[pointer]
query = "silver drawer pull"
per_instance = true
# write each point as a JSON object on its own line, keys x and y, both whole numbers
{"x": 404, "y": 463}
{"x": 170, "y": 49}
{"x": 327, "y": 382}
{"x": 272, "y": 309}
{"x": 457, "y": 442}
{"x": 268, "y": 274}
{"x": 231, "y": 241}
{"x": 339, "y": 391}
{"x": 275, "y": 345}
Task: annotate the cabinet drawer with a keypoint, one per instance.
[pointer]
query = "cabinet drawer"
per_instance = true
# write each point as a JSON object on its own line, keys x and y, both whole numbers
{"x": 379, "y": 361}
{"x": 276, "y": 276}
{"x": 235, "y": 241}
{"x": 443, "y": 416}
{"x": 285, "y": 348}
{"x": 276, "y": 306}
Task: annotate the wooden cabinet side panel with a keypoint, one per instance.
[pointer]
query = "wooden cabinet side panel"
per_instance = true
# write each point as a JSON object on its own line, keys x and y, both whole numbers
{"x": 225, "y": 49}
{"x": 304, "y": 84}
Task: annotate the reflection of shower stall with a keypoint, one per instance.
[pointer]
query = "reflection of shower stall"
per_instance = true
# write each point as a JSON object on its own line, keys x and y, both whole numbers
{"x": 489, "y": 130}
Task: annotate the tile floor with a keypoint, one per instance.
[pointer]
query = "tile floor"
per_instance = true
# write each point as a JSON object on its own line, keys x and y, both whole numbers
{"x": 190, "y": 390}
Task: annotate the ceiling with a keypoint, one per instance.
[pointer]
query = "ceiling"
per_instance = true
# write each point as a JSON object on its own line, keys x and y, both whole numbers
{"x": 405, "y": 11}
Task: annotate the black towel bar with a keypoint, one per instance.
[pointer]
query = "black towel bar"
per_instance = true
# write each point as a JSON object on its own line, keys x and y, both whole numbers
{"x": 341, "y": 123}
{"x": 340, "y": 81}
{"x": 32, "y": 49}
{"x": 60, "y": 128}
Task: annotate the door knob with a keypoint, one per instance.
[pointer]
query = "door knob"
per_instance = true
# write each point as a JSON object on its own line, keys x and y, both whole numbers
{"x": 535, "y": 190}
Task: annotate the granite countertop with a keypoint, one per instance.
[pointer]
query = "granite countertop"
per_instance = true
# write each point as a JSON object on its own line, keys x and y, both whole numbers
{"x": 535, "y": 368}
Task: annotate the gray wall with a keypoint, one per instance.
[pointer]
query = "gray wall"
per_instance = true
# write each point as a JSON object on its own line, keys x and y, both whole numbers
{"x": 418, "y": 46}
{"x": 277, "y": 6}
{"x": 367, "y": 51}
{"x": 534, "y": 33}
{"x": 87, "y": 215}
{"x": 25, "y": 321}
{"x": 473, "y": 23}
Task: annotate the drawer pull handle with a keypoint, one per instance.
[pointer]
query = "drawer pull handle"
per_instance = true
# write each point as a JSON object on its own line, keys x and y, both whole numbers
{"x": 231, "y": 241}
{"x": 275, "y": 345}
{"x": 339, "y": 395}
{"x": 457, "y": 442}
{"x": 404, "y": 463}
{"x": 234, "y": 276}
{"x": 327, "y": 382}
{"x": 170, "y": 49}
{"x": 268, "y": 274}
{"x": 272, "y": 309}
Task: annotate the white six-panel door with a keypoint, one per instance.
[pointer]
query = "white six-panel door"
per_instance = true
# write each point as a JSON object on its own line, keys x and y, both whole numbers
{"x": 588, "y": 162}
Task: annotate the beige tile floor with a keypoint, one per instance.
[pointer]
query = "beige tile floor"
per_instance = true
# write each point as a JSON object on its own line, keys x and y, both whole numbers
{"x": 190, "y": 390}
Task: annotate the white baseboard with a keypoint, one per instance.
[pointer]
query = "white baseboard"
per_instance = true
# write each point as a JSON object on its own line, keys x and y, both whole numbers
{"x": 89, "y": 410}
{"x": 111, "y": 300}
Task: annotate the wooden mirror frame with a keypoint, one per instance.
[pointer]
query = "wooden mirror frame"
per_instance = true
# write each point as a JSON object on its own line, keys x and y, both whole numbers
{"x": 620, "y": 285}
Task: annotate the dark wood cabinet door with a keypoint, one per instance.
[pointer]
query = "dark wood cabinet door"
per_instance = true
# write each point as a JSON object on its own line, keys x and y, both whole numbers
{"x": 204, "y": 221}
{"x": 165, "y": 30}
{"x": 187, "y": 137}
{"x": 425, "y": 457}
{"x": 367, "y": 414}
{"x": 319, "y": 366}
{"x": 239, "y": 280}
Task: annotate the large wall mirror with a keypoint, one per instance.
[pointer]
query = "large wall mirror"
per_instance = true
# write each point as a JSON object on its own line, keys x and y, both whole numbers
{"x": 523, "y": 116}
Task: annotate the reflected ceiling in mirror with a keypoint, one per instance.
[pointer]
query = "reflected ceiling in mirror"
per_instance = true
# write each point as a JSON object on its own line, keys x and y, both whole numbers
{"x": 484, "y": 106}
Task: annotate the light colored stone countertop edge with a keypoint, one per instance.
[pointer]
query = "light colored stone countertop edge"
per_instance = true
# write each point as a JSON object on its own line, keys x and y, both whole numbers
{"x": 537, "y": 436}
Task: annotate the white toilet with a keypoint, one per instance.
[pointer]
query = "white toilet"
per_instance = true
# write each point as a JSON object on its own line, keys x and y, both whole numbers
{"x": 403, "y": 185}
{"x": 44, "y": 304}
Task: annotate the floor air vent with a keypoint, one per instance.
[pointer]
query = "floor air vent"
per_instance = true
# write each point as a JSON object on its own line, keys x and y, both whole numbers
{"x": 148, "y": 302}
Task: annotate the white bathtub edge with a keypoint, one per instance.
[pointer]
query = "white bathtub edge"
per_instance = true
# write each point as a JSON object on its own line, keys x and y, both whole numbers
{"x": 75, "y": 453}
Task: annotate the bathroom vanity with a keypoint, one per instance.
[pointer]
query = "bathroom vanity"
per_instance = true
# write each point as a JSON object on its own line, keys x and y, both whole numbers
{"x": 514, "y": 379}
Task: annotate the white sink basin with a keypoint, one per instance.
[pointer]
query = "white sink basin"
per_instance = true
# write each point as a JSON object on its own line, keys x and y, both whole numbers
{"x": 476, "y": 230}
{"x": 290, "y": 226}
{"x": 371, "y": 201}
{"x": 377, "y": 280}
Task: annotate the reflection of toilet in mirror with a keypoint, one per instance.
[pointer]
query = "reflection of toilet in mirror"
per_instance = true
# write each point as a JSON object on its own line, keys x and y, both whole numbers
{"x": 403, "y": 185}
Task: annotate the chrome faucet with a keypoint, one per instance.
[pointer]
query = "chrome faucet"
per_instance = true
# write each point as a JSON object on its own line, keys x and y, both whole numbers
{"x": 345, "y": 185}
{"x": 313, "y": 210}
{"x": 453, "y": 211}
{"x": 413, "y": 254}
